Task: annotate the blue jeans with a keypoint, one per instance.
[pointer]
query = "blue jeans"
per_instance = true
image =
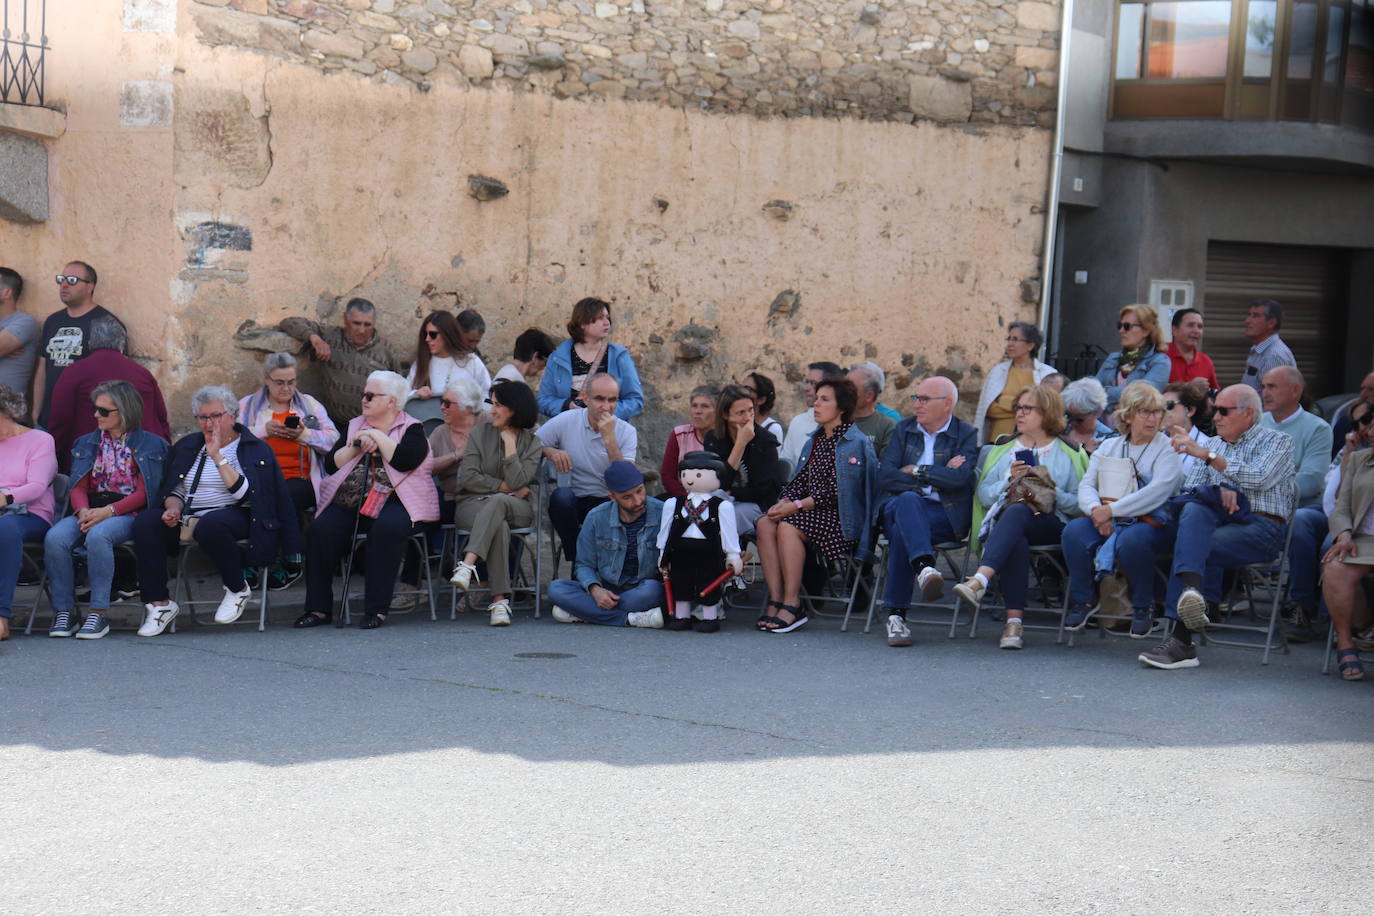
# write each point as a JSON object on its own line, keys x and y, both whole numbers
{"x": 59, "y": 560}
{"x": 1007, "y": 549}
{"x": 1207, "y": 547}
{"x": 571, "y": 597}
{"x": 15, "y": 529}
{"x": 1305, "y": 555}
{"x": 912, "y": 523}
{"x": 1137, "y": 545}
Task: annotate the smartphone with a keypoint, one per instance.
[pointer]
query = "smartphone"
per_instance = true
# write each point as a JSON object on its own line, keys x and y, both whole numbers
{"x": 1027, "y": 457}
{"x": 292, "y": 421}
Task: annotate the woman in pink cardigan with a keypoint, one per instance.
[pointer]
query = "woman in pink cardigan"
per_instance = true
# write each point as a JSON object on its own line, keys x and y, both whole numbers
{"x": 28, "y": 463}
{"x": 378, "y": 483}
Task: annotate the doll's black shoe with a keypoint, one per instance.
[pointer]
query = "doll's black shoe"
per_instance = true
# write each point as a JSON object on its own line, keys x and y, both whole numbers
{"x": 678, "y": 623}
{"x": 706, "y": 626}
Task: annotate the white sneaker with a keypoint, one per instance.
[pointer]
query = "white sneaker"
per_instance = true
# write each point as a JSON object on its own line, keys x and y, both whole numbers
{"x": 463, "y": 575}
{"x": 931, "y": 583}
{"x": 652, "y": 618}
{"x": 159, "y": 619}
{"x": 1192, "y": 610}
{"x": 898, "y": 633}
{"x": 231, "y": 605}
{"x": 500, "y": 614}
{"x": 563, "y": 616}
{"x": 971, "y": 590}
{"x": 1011, "y": 635}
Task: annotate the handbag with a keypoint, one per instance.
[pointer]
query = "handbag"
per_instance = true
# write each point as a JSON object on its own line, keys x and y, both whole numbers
{"x": 1116, "y": 477}
{"x": 377, "y": 494}
{"x": 1036, "y": 489}
{"x": 102, "y": 498}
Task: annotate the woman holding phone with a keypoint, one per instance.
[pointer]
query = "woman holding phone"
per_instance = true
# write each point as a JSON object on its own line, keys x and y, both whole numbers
{"x": 1027, "y": 492}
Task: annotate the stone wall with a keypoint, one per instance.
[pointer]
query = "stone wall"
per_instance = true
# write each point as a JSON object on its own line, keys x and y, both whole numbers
{"x": 989, "y": 61}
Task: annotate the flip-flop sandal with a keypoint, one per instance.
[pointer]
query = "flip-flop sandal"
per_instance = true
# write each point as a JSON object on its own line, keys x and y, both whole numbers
{"x": 767, "y": 621}
{"x": 1349, "y": 662}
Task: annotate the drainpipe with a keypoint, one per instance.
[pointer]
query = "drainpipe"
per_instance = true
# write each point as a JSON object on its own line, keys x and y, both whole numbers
{"x": 1047, "y": 276}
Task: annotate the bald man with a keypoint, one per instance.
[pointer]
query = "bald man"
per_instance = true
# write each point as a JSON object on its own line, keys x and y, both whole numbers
{"x": 1281, "y": 392}
{"x": 926, "y": 483}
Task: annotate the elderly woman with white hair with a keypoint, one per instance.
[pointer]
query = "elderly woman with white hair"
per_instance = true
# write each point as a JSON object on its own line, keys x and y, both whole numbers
{"x": 1084, "y": 401}
{"x": 222, "y": 486}
{"x": 298, "y": 430}
{"x": 378, "y": 483}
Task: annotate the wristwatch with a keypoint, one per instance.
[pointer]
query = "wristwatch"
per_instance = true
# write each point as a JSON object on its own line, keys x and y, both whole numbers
{"x": 798, "y": 504}
{"x": 1211, "y": 456}
{"x": 222, "y": 462}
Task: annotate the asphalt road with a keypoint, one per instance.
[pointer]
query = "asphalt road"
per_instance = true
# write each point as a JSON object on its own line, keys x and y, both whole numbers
{"x": 436, "y": 767}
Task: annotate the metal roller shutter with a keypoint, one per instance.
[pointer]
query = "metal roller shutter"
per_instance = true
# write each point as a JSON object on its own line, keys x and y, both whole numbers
{"x": 1310, "y": 284}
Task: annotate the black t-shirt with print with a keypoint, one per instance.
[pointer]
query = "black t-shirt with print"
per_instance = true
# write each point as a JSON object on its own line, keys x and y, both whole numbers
{"x": 64, "y": 340}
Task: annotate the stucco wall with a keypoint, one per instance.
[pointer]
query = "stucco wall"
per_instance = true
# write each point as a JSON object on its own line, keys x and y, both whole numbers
{"x": 213, "y": 186}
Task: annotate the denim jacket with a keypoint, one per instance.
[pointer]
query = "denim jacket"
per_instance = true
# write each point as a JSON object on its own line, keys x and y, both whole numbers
{"x": 150, "y": 456}
{"x": 856, "y": 480}
{"x": 601, "y": 545}
{"x": 556, "y": 386}
{"x": 272, "y": 516}
{"x": 1153, "y": 368}
{"x": 954, "y": 486}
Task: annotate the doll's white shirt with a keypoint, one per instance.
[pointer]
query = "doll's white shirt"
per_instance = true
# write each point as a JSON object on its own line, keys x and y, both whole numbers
{"x": 729, "y": 534}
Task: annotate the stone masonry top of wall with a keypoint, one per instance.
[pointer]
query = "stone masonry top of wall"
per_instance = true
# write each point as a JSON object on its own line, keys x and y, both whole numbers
{"x": 982, "y": 61}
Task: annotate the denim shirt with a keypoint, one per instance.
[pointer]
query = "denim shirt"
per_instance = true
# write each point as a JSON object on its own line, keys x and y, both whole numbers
{"x": 601, "y": 546}
{"x": 856, "y": 480}
{"x": 556, "y": 386}
{"x": 150, "y": 456}
{"x": 1154, "y": 368}
{"x": 954, "y": 486}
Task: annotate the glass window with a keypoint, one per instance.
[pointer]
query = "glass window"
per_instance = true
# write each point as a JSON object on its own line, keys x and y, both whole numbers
{"x": 1189, "y": 40}
{"x": 1260, "y": 31}
{"x": 1130, "y": 29}
{"x": 1302, "y": 40}
{"x": 1335, "y": 29}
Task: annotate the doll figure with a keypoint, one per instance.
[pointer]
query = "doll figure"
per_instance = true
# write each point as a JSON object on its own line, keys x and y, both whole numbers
{"x": 698, "y": 543}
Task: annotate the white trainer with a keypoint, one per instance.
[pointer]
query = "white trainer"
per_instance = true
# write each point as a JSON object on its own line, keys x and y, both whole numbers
{"x": 563, "y": 616}
{"x": 1192, "y": 610}
{"x": 500, "y": 614}
{"x": 232, "y": 604}
{"x": 931, "y": 583}
{"x": 463, "y": 575}
{"x": 159, "y": 618}
{"x": 652, "y": 618}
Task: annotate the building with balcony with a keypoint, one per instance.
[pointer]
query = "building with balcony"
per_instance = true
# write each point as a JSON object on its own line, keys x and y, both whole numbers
{"x": 1217, "y": 151}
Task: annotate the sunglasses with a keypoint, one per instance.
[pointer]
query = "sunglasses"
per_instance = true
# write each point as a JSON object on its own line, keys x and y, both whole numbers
{"x": 1365, "y": 418}
{"x": 106, "y": 411}
{"x": 369, "y": 395}
{"x": 446, "y": 403}
{"x": 69, "y": 280}
{"x": 1077, "y": 417}
{"x": 1126, "y": 325}
{"x": 1170, "y": 405}
{"x": 431, "y": 335}
{"x": 1225, "y": 411}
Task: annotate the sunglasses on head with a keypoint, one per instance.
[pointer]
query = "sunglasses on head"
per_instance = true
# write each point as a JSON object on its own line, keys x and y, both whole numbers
{"x": 70, "y": 280}
{"x": 106, "y": 411}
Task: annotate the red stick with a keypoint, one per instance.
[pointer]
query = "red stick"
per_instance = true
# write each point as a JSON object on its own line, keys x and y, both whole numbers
{"x": 668, "y": 593}
{"x": 719, "y": 579}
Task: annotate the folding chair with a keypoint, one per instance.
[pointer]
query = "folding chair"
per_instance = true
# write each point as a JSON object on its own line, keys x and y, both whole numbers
{"x": 418, "y": 539}
{"x": 32, "y": 556}
{"x": 1251, "y": 578}
{"x": 1053, "y": 555}
{"x": 181, "y": 586}
{"x": 947, "y": 552}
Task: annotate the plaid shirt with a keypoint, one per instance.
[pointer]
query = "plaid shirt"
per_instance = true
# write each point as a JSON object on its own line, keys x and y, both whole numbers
{"x": 1258, "y": 464}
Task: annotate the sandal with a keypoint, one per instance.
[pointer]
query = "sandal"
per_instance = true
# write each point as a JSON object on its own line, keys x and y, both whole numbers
{"x": 372, "y": 621}
{"x": 1349, "y": 663}
{"x": 799, "y": 619}
{"x": 767, "y": 621}
{"x": 312, "y": 619}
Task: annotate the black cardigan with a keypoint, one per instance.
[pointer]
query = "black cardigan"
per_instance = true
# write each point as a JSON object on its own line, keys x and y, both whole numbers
{"x": 760, "y": 461}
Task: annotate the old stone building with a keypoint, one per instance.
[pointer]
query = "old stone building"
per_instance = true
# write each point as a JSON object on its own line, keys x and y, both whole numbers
{"x": 752, "y": 183}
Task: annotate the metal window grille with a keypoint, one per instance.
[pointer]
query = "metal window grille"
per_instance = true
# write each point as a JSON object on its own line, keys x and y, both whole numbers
{"x": 23, "y": 45}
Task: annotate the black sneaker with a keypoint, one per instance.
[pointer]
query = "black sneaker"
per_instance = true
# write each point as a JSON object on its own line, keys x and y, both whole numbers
{"x": 1170, "y": 654}
{"x": 63, "y": 624}
{"x": 280, "y": 578}
{"x": 1076, "y": 617}
{"x": 95, "y": 626}
{"x": 1298, "y": 624}
{"x": 1142, "y": 622}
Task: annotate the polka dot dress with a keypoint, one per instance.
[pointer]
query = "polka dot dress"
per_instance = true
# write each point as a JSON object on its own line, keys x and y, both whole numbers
{"x": 821, "y": 525}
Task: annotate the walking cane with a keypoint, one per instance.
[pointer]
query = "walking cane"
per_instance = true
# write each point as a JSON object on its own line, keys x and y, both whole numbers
{"x": 339, "y": 620}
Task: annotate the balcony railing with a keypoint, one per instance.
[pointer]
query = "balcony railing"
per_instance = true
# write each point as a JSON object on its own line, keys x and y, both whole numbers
{"x": 23, "y": 44}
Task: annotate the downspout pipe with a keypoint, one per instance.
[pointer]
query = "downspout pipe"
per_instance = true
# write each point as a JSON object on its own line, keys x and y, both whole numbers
{"x": 1047, "y": 274}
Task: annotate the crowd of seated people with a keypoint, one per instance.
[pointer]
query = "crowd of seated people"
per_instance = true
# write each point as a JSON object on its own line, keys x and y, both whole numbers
{"x": 1147, "y": 459}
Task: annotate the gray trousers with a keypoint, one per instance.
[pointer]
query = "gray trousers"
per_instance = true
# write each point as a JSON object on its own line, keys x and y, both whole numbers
{"x": 490, "y": 519}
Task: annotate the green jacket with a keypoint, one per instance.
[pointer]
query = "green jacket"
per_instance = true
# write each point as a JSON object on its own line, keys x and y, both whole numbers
{"x": 1071, "y": 466}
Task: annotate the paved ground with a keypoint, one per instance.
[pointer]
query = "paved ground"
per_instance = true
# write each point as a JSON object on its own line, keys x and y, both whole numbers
{"x": 436, "y": 767}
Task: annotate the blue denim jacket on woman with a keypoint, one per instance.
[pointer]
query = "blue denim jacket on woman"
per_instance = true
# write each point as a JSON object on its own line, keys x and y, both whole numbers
{"x": 1154, "y": 368}
{"x": 601, "y": 545}
{"x": 856, "y": 480}
{"x": 150, "y": 455}
{"x": 556, "y": 386}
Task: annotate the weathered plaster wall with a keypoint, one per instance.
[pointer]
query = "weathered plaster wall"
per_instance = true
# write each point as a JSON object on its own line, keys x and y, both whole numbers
{"x": 214, "y": 186}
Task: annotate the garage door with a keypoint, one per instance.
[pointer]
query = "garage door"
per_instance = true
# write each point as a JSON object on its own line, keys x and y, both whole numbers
{"x": 1310, "y": 284}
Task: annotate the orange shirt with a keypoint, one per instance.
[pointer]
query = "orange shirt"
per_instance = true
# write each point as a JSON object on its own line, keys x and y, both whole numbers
{"x": 294, "y": 457}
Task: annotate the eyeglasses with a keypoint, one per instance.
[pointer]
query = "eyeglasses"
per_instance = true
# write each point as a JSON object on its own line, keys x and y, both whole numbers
{"x": 205, "y": 418}
{"x": 283, "y": 382}
{"x": 446, "y": 403}
{"x": 1077, "y": 417}
{"x": 926, "y": 399}
{"x": 1024, "y": 408}
{"x": 431, "y": 335}
{"x": 70, "y": 280}
{"x": 106, "y": 411}
{"x": 1152, "y": 412}
{"x": 1126, "y": 325}
{"x": 1017, "y": 340}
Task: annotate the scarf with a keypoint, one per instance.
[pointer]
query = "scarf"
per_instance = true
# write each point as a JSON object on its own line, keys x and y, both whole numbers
{"x": 1131, "y": 358}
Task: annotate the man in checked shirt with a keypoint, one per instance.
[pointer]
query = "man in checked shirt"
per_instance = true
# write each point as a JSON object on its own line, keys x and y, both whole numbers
{"x": 1246, "y": 457}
